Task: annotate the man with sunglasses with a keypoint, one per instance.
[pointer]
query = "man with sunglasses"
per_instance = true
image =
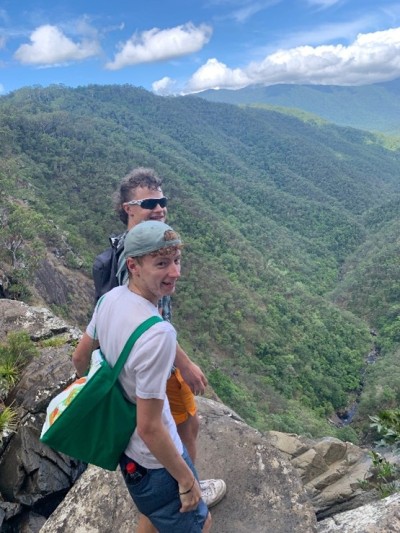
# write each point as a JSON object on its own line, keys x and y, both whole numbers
{"x": 139, "y": 198}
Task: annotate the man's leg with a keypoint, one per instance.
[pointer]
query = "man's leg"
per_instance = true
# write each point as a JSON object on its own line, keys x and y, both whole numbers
{"x": 188, "y": 432}
{"x": 145, "y": 526}
{"x": 207, "y": 524}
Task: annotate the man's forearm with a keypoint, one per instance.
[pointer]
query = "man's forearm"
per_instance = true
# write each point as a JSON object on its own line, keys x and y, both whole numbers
{"x": 182, "y": 360}
{"x": 191, "y": 373}
{"x": 161, "y": 446}
{"x": 156, "y": 437}
{"x": 82, "y": 354}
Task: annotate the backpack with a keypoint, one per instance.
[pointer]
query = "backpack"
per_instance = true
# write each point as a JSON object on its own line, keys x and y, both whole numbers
{"x": 105, "y": 267}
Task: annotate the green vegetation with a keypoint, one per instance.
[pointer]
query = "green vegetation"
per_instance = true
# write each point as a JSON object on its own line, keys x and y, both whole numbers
{"x": 8, "y": 421}
{"x": 387, "y": 425}
{"x": 291, "y": 228}
{"x": 383, "y": 476}
{"x": 370, "y": 107}
{"x": 53, "y": 342}
{"x": 15, "y": 352}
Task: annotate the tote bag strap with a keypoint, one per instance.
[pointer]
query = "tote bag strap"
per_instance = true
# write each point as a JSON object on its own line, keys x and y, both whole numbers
{"x": 144, "y": 326}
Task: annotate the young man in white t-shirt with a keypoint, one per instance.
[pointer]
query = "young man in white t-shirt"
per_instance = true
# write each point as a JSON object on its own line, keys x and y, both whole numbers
{"x": 158, "y": 472}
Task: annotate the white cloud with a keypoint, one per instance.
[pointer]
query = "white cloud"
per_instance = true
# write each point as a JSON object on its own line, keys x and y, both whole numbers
{"x": 2, "y": 89}
{"x": 217, "y": 75}
{"x": 164, "y": 86}
{"x": 161, "y": 45}
{"x": 50, "y": 47}
{"x": 371, "y": 58}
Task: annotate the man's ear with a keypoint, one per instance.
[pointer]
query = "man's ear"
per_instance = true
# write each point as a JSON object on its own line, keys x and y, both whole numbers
{"x": 132, "y": 265}
{"x": 126, "y": 208}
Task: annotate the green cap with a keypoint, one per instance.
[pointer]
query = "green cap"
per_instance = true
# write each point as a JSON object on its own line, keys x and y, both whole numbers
{"x": 146, "y": 237}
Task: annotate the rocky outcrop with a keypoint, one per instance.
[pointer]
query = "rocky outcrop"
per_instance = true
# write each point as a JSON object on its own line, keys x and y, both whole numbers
{"x": 264, "y": 489}
{"x": 57, "y": 285}
{"x": 330, "y": 469}
{"x": 276, "y": 482}
{"x": 264, "y": 492}
{"x": 381, "y": 516}
{"x": 39, "y": 322}
{"x": 33, "y": 478}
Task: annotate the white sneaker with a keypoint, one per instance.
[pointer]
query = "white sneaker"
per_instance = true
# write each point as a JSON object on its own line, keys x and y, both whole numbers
{"x": 212, "y": 491}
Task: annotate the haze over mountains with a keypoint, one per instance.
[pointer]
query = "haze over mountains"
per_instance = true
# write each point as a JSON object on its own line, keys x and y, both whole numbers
{"x": 286, "y": 222}
{"x": 373, "y": 107}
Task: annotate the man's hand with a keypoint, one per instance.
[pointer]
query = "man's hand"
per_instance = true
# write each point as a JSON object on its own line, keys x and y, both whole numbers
{"x": 191, "y": 373}
{"x": 194, "y": 377}
{"x": 190, "y": 500}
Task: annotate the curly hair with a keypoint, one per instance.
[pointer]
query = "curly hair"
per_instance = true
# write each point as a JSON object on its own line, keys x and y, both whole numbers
{"x": 138, "y": 177}
{"x": 169, "y": 235}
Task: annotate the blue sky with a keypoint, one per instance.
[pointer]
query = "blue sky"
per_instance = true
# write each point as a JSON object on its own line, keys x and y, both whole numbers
{"x": 185, "y": 46}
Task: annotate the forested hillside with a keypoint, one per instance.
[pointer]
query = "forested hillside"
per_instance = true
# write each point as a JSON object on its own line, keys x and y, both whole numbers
{"x": 374, "y": 107}
{"x": 281, "y": 217}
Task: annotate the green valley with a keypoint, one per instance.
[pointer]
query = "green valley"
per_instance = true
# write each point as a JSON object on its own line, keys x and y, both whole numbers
{"x": 291, "y": 231}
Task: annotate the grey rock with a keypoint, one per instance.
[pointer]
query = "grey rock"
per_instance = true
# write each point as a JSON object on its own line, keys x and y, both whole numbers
{"x": 30, "y": 471}
{"x": 73, "y": 290}
{"x": 31, "y": 523}
{"x": 9, "y": 510}
{"x": 39, "y": 322}
{"x": 98, "y": 502}
{"x": 52, "y": 284}
{"x": 43, "y": 378}
{"x": 381, "y": 516}
{"x": 330, "y": 469}
{"x": 264, "y": 492}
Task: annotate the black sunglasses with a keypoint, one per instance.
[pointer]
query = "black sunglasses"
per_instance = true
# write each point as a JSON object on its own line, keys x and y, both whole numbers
{"x": 150, "y": 203}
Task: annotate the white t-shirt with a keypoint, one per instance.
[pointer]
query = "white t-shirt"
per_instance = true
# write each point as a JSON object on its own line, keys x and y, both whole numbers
{"x": 149, "y": 364}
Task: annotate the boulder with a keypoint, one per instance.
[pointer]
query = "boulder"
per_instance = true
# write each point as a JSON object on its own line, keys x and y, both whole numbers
{"x": 381, "y": 516}
{"x": 331, "y": 470}
{"x": 39, "y": 322}
{"x": 72, "y": 290}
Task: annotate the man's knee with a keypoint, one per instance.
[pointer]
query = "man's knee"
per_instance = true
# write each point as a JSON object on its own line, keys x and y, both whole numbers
{"x": 190, "y": 427}
{"x": 194, "y": 423}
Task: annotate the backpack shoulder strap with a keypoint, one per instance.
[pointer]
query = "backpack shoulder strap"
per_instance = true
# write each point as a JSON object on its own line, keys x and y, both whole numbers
{"x": 144, "y": 326}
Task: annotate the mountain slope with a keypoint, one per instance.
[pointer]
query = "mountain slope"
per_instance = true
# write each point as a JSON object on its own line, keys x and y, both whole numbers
{"x": 270, "y": 207}
{"x": 373, "y": 107}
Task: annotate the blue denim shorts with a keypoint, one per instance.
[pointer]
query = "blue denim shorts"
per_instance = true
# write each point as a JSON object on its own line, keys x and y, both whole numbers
{"x": 156, "y": 495}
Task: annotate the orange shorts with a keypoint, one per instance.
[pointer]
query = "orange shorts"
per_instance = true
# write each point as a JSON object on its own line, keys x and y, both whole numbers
{"x": 180, "y": 397}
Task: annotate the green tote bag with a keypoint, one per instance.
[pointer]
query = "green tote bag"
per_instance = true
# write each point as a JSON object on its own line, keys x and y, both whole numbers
{"x": 92, "y": 420}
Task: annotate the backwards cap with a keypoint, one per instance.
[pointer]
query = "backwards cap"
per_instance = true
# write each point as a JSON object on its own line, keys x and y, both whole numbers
{"x": 146, "y": 237}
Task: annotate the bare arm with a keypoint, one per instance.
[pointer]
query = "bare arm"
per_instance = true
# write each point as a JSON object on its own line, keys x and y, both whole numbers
{"x": 191, "y": 373}
{"x": 156, "y": 437}
{"x": 82, "y": 354}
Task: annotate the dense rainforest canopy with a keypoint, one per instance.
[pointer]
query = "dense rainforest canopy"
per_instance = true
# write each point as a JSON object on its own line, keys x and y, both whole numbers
{"x": 291, "y": 228}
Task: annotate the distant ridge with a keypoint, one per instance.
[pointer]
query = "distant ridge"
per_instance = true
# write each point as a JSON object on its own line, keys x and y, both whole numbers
{"x": 369, "y": 107}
